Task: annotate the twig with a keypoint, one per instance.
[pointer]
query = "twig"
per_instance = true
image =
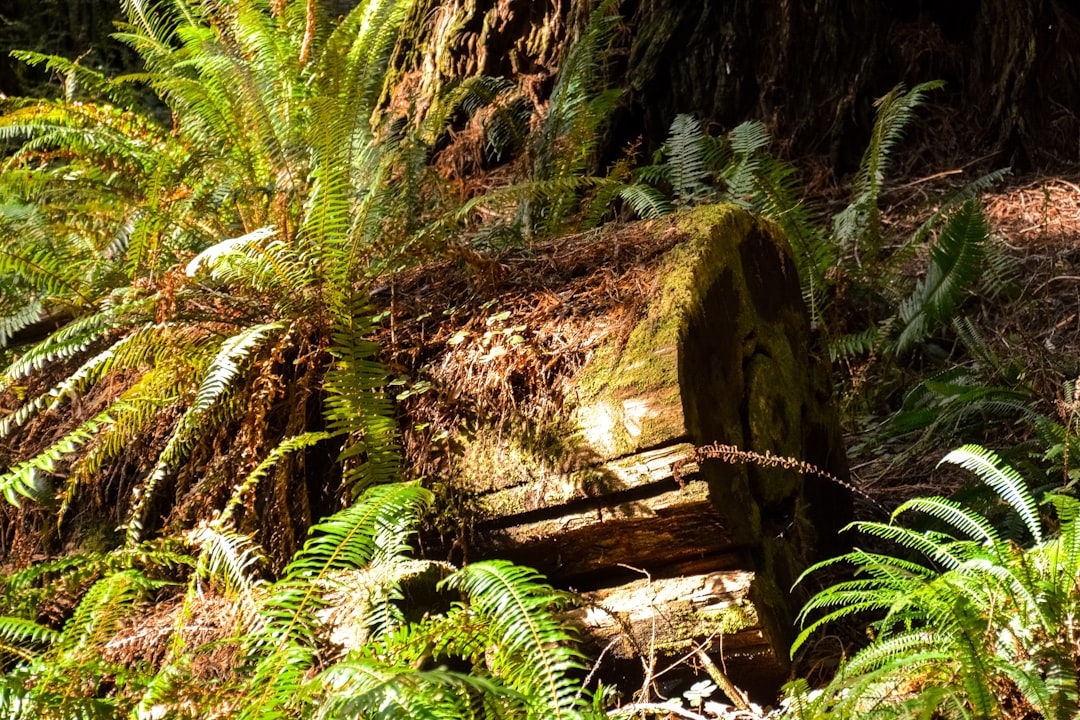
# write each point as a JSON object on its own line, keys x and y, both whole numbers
{"x": 655, "y": 708}
{"x": 928, "y": 178}
{"x": 738, "y": 698}
{"x": 1055, "y": 279}
{"x": 687, "y": 656}
{"x": 596, "y": 665}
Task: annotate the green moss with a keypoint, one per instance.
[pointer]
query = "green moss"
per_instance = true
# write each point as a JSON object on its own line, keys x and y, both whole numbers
{"x": 736, "y": 618}
{"x": 99, "y": 535}
{"x": 685, "y": 624}
{"x": 630, "y": 395}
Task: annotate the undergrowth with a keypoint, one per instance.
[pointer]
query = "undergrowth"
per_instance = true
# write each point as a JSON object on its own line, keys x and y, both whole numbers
{"x": 185, "y": 324}
{"x": 968, "y": 621}
{"x": 334, "y": 636}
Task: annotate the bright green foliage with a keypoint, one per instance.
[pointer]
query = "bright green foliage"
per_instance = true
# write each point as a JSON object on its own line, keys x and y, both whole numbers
{"x": 55, "y": 674}
{"x": 494, "y": 624}
{"x": 198, "y": 256}
{"x": 208, "y": 262}
{"x": 189, "y": 252}
{"x": 982, "y": 616}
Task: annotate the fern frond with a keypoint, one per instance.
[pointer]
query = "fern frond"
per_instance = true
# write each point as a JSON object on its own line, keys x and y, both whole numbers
{"x": 1033, "y": 687}
{"x": 75, "y": 338}
{"x": 937, "y": 547}
{"x": 368, "y": 688}
{"x": 285, "y": 447}
{"x": 41, "y": 268}
{"x": 686, "y": 168}
{"x": 579, "y": 103}
{"x": 362, "y": 44}
{"x": 288, "y": 640}
{"x": 13, "y": 322}
{"x": 98, "y": 616}
{"x": 532, "y": 651}
{"x": 1005, "y": 481}
{"x": 129, "y": 351}
{"x": 853, "y": 345}
{"x": 972, "y": 659}
{"x": 860, "y": 222}
{"x": 949, "y": 204}
{"x": 215, "y": 385}
{"x": 92, "y": 82}
{"x": 30, "y": 478}
{"x": 227, "y": 365}
{"x": 354, "y": 536}
{"x": 645, "y": 201}
{"x": 955, "y": 266}
{"x": 962, "y": 519}
{"x": 356, "y": 406}
{"x": 901, "y": 646}
{"x": 1065, "y": 548}
{"x": 217, "y": 254}
{"x": 232, "y": 557}
{"x": 24, "y": 639}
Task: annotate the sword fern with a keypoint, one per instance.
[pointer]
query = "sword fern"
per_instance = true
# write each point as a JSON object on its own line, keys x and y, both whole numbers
{"x": 980, "y": 613}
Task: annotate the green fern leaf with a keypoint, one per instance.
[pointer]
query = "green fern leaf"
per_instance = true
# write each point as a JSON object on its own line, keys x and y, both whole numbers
{"x": 1005, "y": 481}
{"x": 287, "y": 641}
{"x": 686, "y": 169}
{"x": 965, "y": 521}
{"x": 215, "y": 385}
{"x": 955, "y": 266}
{"x": 356, "y": 406}
{"x": 532, "y": 647}
{"x": 24, "y": 639}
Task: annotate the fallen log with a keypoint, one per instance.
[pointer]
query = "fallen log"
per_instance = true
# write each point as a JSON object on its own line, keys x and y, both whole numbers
{"x": 578, "y": 388}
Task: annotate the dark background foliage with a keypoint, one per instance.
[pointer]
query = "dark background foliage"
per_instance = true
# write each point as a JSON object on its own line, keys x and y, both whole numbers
{"x": 810, "y": 70}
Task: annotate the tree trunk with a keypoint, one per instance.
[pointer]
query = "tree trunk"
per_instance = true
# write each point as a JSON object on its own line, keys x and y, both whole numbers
{"x": 810, "y": 70}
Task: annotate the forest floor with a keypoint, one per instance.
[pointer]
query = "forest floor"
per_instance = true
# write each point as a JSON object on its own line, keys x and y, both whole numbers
{"x": 1033, "y": 332}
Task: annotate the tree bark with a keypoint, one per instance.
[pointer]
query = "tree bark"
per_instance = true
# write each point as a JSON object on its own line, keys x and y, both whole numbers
{"x": 811, "y": 71}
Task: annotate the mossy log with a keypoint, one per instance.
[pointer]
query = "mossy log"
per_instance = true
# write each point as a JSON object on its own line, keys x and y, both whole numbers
{"x": 606, "y": 486}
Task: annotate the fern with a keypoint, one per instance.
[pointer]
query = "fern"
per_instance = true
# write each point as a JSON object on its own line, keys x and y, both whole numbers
{"x": 212, "y": 392}
{"x": 24, "y": 639}
{"x": 356, "y": 407}
{"x": 73, "y": 339}
{"x": 985, "y": 612}
{"x": 21, "y": 318}
{"x": 30, "y": 478}
{"x": 955, "y": 266}
{"x": 860, "y": 223}
{"x": 1005, "y": 481}
{"x": 232, "y": 558}
{"x": 367, "y": 688}
{"x": 686, "y": 169}
{"x": 289, "y": 445}
{"x": 287, "y": 643}
{"x": 579, "y": 103}
{"x": 532, "y": 652}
